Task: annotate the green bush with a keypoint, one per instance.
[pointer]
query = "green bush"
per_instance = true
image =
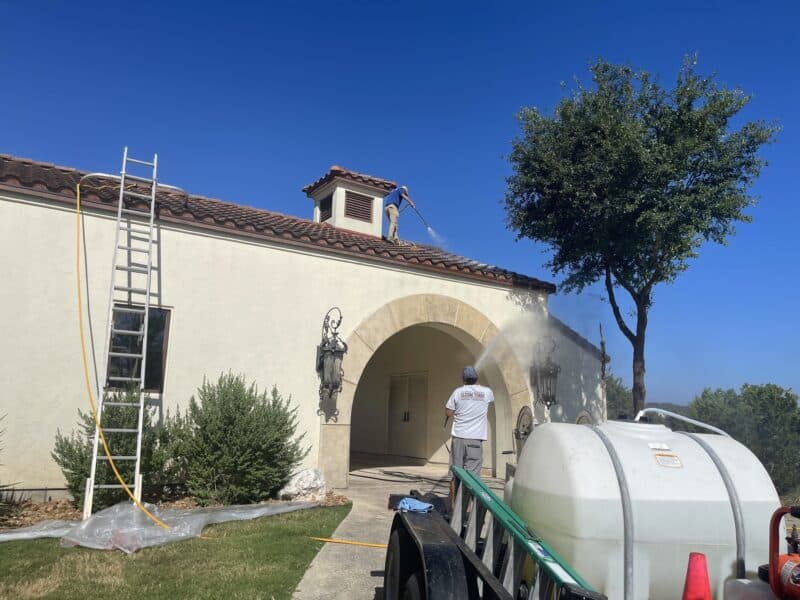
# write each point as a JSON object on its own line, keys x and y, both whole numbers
{"x": 9, "y": 497}
{"x": 73, "y": 452}
{"x": 240, "y": 444}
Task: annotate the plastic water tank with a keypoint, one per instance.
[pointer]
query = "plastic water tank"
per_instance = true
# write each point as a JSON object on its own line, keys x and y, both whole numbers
{"x": 566, "y": 488}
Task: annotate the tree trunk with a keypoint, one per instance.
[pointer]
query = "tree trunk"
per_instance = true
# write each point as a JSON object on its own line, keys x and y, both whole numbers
{"x": 642, "y": 300}
{"x": 639, "y": 390}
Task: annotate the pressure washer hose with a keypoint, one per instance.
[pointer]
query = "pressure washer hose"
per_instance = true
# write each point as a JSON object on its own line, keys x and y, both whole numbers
{"x": 125, "y": 487}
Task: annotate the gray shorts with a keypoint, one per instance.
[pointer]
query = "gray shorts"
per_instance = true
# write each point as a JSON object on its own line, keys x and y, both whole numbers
{"x": 467, "y": 454}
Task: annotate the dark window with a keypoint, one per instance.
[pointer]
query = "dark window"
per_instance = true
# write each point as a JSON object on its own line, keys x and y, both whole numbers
{"x": 358, "y": 206}
{"x": 157, "y": 334}
{"x": 325, "y": 208}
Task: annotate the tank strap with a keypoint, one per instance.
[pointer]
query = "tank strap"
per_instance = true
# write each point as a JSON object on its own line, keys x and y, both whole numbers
{"x": 627, "y": 511}
{"x": 733, "y": 497}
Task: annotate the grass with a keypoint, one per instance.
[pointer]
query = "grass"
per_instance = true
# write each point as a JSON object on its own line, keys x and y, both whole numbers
{"x": 263, "y": 558}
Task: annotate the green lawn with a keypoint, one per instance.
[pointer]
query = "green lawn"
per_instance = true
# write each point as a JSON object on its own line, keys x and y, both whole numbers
{"x": 264, "y": 558}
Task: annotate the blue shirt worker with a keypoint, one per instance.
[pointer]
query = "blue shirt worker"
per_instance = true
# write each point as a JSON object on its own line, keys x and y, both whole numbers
{"x": 468, "y": 406}
{"x": 392, "y": 203}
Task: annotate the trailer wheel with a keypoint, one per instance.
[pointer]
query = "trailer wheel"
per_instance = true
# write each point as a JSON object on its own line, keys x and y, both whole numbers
{"x": 392, "y": 583}
{"x": 413, "y": 589}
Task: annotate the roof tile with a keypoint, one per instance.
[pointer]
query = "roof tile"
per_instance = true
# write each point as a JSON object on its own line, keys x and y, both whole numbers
{"x": 198, "y": 210}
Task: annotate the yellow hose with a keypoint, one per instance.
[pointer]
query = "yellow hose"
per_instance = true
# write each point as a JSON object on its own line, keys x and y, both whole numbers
{"x": 348, "y": 542}
{"x": 125, "y": 487}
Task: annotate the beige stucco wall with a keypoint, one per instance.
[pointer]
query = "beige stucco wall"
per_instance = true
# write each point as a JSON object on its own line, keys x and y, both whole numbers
{"x": 238, "y": 304}
{"x": 435, "y": 353}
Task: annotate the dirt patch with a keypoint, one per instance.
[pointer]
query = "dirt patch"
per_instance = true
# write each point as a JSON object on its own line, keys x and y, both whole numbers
{"x": 30, "y": 513}
{"x": 334, "y": 499}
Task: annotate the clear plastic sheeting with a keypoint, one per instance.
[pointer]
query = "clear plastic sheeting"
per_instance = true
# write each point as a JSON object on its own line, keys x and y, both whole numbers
{"x": 125, "y": 527}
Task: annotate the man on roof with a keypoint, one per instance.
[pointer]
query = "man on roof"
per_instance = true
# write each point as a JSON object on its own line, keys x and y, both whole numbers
{"x": 392, "y": 203}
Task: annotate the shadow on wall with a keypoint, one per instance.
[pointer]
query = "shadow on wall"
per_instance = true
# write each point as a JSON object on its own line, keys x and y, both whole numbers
{"x": 580, "y": 392}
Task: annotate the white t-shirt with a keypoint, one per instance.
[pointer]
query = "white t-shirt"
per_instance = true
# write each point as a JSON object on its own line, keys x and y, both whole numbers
{"x": 470, "y": 403}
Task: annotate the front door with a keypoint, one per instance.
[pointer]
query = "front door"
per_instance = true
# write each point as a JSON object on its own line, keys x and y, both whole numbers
{"x": 408, "y": 401}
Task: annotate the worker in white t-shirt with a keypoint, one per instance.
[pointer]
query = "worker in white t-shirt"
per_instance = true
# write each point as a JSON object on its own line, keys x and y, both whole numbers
{"x": 468, "y": 406}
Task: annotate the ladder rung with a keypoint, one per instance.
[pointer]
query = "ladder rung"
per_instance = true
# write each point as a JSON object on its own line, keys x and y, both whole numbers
{"x": 112, "y": 403}
{"x": 137, "y": 195}
{"x": 104, "y": 457}
{"x": 136, "y": 237}
{"x": 119, "y": 430}
{"x": 137, "y": 178}
{"x": 132, "y": 249}
{"x": 143, "y": 266}
{"x": 109, "y": 486}
{"x": 131, "y": 269}
{"x": 129, "y": 309}
{"x": 124, "y": 355}
{"x": 123, "y": 288}
{"x": 135, "y": 230}
{"x": 130, "y": 211}
{"x": 127, "y": 332}
{"x": 139, "y": 162}
{"x": 115, "y": 378}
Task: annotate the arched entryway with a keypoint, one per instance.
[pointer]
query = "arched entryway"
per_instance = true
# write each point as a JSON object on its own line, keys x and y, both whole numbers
{"x": 449, "y": 324}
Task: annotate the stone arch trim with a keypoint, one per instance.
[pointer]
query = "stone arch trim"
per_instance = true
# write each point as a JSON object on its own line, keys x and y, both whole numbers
{"x": 465, "y": 322}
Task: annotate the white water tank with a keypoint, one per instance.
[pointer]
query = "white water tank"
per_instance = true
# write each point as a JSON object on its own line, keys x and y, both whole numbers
{"x": 567, "y": 490}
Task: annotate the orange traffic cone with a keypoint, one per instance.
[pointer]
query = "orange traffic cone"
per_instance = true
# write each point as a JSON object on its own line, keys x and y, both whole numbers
{"x": 697, "y": 586}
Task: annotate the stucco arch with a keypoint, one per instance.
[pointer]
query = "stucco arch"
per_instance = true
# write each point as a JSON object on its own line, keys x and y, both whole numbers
{"x": 474, "y": 329}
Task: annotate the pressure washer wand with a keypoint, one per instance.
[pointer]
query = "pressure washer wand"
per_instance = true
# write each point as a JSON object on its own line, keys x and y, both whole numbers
{"x": 419, "y": 214}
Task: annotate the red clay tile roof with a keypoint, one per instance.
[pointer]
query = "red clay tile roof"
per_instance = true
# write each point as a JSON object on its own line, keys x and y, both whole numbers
{"x": 342, "y": 173}
{"x": 58, "y": 183}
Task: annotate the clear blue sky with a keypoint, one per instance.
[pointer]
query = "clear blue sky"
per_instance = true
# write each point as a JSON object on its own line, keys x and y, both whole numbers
{"x": 249, "y": 104}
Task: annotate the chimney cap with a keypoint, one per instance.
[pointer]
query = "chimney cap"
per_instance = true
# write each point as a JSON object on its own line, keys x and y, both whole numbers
{"x": 382, "y": 185}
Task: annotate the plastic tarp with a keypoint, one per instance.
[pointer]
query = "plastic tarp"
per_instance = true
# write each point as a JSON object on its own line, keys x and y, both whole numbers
{"x": 125, "y": 527}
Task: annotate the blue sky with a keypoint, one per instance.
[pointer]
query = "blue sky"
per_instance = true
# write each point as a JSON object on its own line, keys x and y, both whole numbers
{"x": 250, "y": 103}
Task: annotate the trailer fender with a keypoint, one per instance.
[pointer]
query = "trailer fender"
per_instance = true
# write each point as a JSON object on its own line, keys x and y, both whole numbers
{"x": 422, "y": 561}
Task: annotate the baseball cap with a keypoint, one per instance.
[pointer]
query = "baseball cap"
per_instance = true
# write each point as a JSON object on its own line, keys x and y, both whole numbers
{"x": 470, "y": 373}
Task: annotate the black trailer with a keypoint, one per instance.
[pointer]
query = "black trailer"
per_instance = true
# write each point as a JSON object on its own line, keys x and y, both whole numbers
{"x": 485, "y": 551}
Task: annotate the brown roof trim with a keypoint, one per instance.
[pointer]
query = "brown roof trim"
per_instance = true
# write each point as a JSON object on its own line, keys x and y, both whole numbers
{"x": 58, "y": 183}
{"x": 576, "y": 337}
{"x": 342, "y": 173}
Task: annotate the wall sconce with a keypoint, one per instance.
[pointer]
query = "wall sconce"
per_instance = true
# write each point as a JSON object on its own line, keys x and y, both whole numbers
{"x": 544, "y": 374}
{"x": 330, "y": 353}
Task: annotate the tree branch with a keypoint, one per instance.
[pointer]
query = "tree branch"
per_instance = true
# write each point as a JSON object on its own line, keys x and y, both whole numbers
{"x": 615, "y": 307}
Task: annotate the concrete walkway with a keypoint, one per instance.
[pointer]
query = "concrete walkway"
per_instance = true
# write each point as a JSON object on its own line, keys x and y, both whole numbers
{"x": 344, "y": 571}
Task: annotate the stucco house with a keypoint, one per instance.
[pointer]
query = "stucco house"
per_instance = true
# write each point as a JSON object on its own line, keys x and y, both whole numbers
{"x": 245, "y": 289}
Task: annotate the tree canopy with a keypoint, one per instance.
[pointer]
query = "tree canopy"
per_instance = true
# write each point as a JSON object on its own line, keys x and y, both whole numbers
{"x": 765, "y": 418}
{"x": 627, "y": 179}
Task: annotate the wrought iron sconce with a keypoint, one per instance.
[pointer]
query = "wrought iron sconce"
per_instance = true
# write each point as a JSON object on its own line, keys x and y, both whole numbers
{"x": 330, "y": 353}
{"x": 544, "y": 374}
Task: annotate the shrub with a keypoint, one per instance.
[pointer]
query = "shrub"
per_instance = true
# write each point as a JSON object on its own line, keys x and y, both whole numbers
{"x": 240, "y": 445}
{"x": 9, "y": 498}
{"x": 73, "y": 452}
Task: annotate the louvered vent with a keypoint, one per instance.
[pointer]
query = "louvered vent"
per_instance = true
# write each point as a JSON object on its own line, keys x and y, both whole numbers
{"x": 358, "y": 206}
{"x": 326, "y": 208}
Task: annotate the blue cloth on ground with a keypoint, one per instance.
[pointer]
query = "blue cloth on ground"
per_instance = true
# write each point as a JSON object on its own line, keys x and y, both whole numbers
{"x": 412, "y": 505}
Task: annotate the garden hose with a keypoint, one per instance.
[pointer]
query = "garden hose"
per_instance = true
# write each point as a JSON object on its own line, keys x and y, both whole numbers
{"x": 125, "y": 487}
{"x": 348, "y": 542}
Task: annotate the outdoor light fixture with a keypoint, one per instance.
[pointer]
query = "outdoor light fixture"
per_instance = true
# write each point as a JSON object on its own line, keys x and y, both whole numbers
{"x": 544, "y": 374}
{"x": 330, "y": 352}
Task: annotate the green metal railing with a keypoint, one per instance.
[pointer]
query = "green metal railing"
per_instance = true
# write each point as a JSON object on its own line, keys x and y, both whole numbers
{"x": 545, "y": 558}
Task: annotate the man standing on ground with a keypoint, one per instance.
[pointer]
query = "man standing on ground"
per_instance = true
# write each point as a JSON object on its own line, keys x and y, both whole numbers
{"x": 393, "y": 202}
{"x": 468, "y": 406}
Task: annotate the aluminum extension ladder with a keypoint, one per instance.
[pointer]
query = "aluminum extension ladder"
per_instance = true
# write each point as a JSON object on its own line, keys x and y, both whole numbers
{"x": 129, "y": 297}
